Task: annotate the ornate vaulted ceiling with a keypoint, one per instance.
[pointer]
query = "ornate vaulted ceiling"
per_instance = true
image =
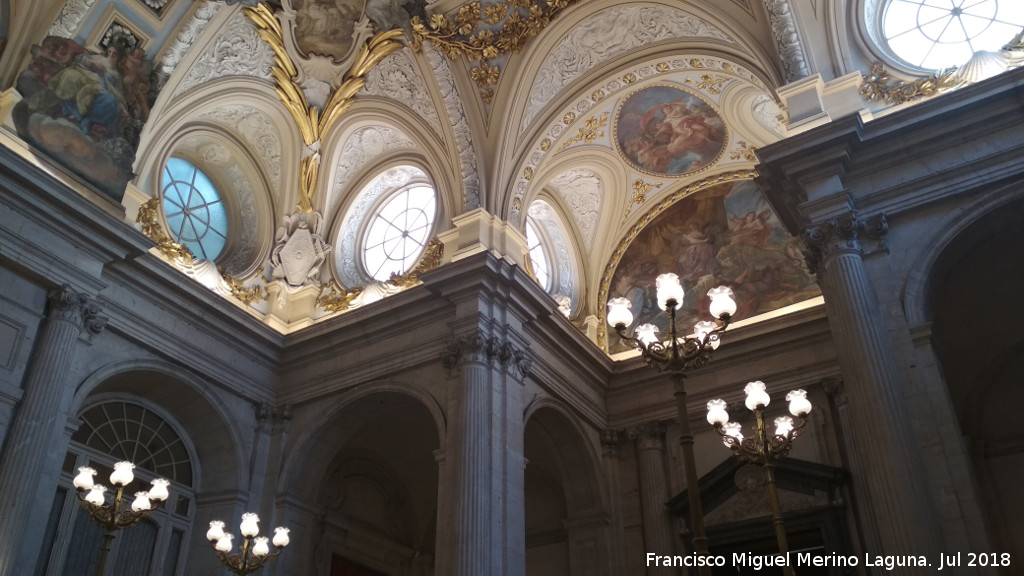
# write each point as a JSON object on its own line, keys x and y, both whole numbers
{"x": 594, "y": 118}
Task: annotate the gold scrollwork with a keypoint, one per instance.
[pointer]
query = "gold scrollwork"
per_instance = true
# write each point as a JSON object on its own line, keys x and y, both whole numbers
{"x": 430, "y": 260}
{"x": 246, "y": 295}
{"x": 483, "y": 33}
{"x": 337, "y": 299}
{"x": 312, "y": 122}
{"x": 880, "y": 87}
{"x": 590, "y": 131}
{"x": 640, "y": 191}
{"x": 148, "y": 217}
{"x": 709, "y": 83}
{"x": 744, "y": 151}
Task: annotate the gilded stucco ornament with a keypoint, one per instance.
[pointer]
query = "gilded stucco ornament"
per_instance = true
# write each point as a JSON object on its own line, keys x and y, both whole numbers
{"x": 337, "y": 298}
{"x": 484, "y": 33}
{"x": 316, "y": 121}
{"x": 880, "y": 87}
{"x": 430, "y": 260}
{"x": 246, "y": 295}
{"x": 149, "y": 219}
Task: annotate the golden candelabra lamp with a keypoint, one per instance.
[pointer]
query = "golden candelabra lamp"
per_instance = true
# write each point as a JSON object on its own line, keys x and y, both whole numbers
{"x": 765, "y": 446}
{"x": 116, "y": 514}
{"x": 676, "y": 355}
{"x": 255, "y": 551}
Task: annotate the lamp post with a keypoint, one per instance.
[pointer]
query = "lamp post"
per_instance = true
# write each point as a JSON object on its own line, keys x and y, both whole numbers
{"x": 255, "y": 551}
{"x": 765, "y": 447}
{"x": 676, "y": 356}
{"x": 112, "y": 517}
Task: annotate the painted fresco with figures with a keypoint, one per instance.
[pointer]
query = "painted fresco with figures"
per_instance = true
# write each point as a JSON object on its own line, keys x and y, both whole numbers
{"x": 725, "y": 235}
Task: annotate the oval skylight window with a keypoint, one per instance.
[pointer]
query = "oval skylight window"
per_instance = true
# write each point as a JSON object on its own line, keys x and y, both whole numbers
{"x": 194, "y": 209}
{"x": 938, "y": 34}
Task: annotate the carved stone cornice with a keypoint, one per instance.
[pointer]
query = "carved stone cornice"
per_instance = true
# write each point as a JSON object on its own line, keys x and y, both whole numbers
{"x": 69, "y": 305}
{"x": 491, "y": 350}
{"x": 842, "y": 234}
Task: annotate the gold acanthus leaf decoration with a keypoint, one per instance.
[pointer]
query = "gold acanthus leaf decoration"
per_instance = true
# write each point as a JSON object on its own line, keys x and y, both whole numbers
{"x": 430, "y": 260}
{"x": 246, "y": 295}
{"x": 640, "y": 191}
{"x": 483, "y": 33}
{"x": 149, "y": 218}
{"x": 314, "y": 123}
{"x": 337, "y": 299}
{"x": 880, "y": 87}
{"x": 744, "y": 151}
{"x": 590, "y": 131}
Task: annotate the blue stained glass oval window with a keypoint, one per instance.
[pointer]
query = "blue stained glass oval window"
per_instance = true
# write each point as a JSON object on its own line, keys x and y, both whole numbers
{"x": 194, "y": 209}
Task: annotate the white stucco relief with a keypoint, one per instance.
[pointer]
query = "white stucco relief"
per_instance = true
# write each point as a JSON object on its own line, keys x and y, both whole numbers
{"x": 605, "y": 35}
{"x": 581, "y": 190}
{"x": 70, "y": 19}
{"x": 398, "y": 78}
{"x": 363, "y": 147}
{"x": 237, "y": 51}
{"x": 256, "y": 128}
{"x": 187, "y": 36}
{"x": 460, "y": 127}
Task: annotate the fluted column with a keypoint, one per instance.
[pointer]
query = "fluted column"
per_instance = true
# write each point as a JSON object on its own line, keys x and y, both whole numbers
{"x": 610, "y": 461}
{"x": 878, "y": 409}
{"x": 40, "y": 417}
{"x": 487, "y": 530}
{"x": 650, "y": 449}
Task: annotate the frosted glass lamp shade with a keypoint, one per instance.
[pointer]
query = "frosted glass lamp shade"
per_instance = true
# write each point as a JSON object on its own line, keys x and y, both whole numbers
{"x": 281, "y": 537}
{"x": 721, "y": 301}
{"x": 756, "y": 395}
{"x": 216, "y": 531}
{"x": 783, "y": 425}
{"x": 647, "y": 333}
{"x": 84, "y": 480}
{"x": 669, "y": 290}
{"x": 95, "y": 495}
{"x": 717, "y": 413}
{"x": 732, "y": 430}
{"x": 122, "y": 474}
{"x": 158, "y": 491}
{"x": 250, "y": 525}
{"x": 224, "y": 543}
{"x": 260, "y": 547}
{"x": 141, "y": 502}
{"x": 618, "y": 312}
{"x": 799, "y": 405}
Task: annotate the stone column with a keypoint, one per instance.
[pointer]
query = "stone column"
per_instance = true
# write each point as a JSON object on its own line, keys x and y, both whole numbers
{"x": 878, "y": 411}
{"x": 487, "y": 530}
{"x": 617, "y": 533}
{"x": 40, "y": 419}
{"x": 650, "y": 449}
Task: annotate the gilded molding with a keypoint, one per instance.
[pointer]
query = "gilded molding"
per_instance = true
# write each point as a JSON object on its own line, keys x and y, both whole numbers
{"x": 484, "y": 33}
{"x": 148, "y": 217}
{"x": 842, "y": 234}
{"x": 312, "y": 122}
{"x": 880, "y": 87}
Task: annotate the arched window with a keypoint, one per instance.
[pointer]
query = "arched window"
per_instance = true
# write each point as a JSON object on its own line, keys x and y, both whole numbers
{"x": 112, "y": 432}
{"x": 194, "y": 209}
{"x": 399, "y": 231}
{"x": 386, "y": 227}
{"x": 937, "y": 34}
{"x": 538, "y": 256}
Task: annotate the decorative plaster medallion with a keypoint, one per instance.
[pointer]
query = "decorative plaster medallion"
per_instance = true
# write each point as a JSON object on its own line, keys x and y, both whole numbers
{"x": 300, "y": 250}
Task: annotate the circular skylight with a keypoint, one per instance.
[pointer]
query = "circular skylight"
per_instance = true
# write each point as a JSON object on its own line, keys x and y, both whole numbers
{"x": 937, "y": 34}
{"x": 399, "y": 232}
{"x": 194, "y": 209}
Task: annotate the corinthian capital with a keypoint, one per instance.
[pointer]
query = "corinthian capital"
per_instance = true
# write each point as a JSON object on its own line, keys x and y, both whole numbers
{"x": 842, "y": 234}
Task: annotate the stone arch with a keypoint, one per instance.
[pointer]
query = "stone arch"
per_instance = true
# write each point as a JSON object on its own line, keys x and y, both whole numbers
{"x": 562, "y": 477}
{"x": 206, "y": 418}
